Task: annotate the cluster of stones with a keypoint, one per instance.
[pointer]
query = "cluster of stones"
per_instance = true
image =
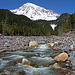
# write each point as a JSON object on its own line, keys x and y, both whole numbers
{"x": 63, "y": 42}
{"x": 12, "y": 43}
{"x": 22, "y": 42}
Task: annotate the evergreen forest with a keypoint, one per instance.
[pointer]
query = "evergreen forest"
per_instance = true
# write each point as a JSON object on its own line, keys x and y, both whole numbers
{"x": 19, "y": 25}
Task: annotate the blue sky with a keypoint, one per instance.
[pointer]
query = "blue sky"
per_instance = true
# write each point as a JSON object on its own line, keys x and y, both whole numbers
{"x": 58, "y": 6}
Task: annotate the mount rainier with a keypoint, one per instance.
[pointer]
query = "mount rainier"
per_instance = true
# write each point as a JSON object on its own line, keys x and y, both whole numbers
{"x": 35, "y": 12}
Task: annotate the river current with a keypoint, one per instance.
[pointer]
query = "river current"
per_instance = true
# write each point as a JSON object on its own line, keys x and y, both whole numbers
{"x": 41, "y": 58}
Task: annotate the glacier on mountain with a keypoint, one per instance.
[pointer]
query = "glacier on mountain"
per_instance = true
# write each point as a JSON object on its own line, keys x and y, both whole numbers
{"x": 35, "y": 12}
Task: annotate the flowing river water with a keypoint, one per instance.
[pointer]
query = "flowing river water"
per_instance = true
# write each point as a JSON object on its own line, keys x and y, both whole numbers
{"x": 41, "y": 58}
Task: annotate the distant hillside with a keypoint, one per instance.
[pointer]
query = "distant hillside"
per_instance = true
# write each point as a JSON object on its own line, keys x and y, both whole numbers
{"x": 12, "y": 24}
{"x": 65, "y": 23}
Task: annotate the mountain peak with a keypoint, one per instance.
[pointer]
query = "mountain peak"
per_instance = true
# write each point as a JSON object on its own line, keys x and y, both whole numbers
{"x": 29, "y": 4}
{"x": 35, "y": 12}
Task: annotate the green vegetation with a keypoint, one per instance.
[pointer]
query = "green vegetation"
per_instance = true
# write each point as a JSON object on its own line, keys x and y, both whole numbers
{"x": 12, "y": 24}
{"x": 67, "y": 24}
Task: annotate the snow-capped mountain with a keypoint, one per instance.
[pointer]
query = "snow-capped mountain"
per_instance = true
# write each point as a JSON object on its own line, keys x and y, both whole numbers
{"x": 35, "y": 12}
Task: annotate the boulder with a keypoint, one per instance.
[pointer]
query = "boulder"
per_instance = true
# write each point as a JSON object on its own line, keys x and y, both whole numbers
{"x": 25, "y": 61}
{"x": 21, "y": 73}
{"x": 19, "y": 51}
{"x": 0, "y": 34}
{"x": 71, "y": 47}
{"x": 4, "y": 74}
{"x": 74, "y": 72}
{"x": 33, "y": 44}
{"x": 51, "y": 45}
{"x": 11, "y": 63}
{"x": 56, "y": 49}
{"x": 51, "y": 52}
{"x": 7, "y": 44}
{"x": 56, "y": 43}
{"x": 72, "y": 59}
{"x": 56, "y": 66}
{"x": 1, "y": 46}
{"x": 61, "y": 57}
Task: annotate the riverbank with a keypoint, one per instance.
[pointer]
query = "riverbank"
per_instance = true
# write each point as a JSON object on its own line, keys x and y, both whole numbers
{"x": 12, "y": 43}
{"x": 61, "y": 43}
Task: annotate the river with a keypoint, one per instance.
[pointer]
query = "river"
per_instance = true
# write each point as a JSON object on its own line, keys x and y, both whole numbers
{"x": 41, "y": 58}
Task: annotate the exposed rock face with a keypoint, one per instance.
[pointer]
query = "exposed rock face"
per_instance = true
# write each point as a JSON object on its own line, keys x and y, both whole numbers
{"x": 33, "y": 44}
{"x": 61, "y": 57}
{"x": 56, "y": 66}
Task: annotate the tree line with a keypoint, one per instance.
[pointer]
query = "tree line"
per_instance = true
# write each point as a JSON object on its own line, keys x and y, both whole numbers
{"x": 12, "y": 24}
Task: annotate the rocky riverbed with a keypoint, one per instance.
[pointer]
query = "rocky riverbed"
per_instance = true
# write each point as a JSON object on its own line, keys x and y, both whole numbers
{"x": 59, "y": 44}
{"x": 11, "y": 43}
